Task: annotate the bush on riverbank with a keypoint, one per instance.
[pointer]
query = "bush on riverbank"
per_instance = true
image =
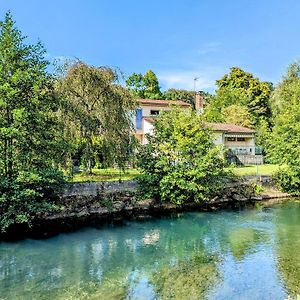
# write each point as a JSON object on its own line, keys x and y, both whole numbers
{"x": 288, "y": 180}
{"x": 29, "y": 194}
{"x": 181, "y": 163}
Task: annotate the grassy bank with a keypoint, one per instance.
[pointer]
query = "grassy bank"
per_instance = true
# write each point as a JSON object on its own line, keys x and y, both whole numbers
{"x": 248, "y": 170}
{"x": 112, "y": 174}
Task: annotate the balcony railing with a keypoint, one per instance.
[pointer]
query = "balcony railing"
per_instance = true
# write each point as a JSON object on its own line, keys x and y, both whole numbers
{"x": 240, "y": 150}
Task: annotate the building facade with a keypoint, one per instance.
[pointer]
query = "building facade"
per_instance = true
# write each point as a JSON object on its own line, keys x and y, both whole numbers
{"x": 146, "y": 112}
{"x": 240, "y": 141}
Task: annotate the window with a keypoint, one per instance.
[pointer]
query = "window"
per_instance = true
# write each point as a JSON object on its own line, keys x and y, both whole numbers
{"x": 241, "y": 139}
{"x": 154, "y": 112}
{"x": 231, "y": 139}
{"x": 138, "y": 118}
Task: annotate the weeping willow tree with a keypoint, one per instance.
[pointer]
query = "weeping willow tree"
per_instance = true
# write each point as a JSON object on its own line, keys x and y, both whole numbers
{"x": 100, "y": 108}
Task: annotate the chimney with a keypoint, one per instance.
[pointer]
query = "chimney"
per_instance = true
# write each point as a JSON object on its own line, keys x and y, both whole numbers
{"x": 199, "y": 103}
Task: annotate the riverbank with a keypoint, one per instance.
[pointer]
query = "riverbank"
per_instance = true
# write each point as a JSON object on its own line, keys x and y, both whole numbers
{"x": 95, "y": 203}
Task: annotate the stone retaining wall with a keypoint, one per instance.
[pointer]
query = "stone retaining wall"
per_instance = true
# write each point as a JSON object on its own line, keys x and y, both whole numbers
{"x": 85, "y": 204}
{"x": 95, "y": 188}
{"x": 263, "y": 179}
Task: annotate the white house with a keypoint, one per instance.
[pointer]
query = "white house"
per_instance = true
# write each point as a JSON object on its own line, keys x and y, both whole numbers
{"x": 146, "y": 112}
{"x": 239, "y": 140}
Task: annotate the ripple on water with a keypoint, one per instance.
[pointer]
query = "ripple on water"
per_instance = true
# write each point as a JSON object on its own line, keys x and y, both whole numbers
{"x": 249, "y": 254}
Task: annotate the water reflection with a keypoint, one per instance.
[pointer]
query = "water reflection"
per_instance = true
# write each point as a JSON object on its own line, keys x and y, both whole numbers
{"x": 187, "y": 279}
{"x": 288, "y": 245}
{"x": 248, "y": 254}
{"x": 150, "y": 238}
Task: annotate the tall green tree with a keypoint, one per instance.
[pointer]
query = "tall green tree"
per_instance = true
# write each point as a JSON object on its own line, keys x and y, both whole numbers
{"x": 285, "y": 138}
{"x": 223, "y": 99}
{"x": 284, "y": 141}
{"x": 100, "y": 108}
{"x": 30, "y": 140}
{"x": 287, "y": 91}
{"x": 135, "y": 83}
{"x": 237, "y": 114}
{"x": 152, "y": 90}
{"x": 144, "y": 86}
{"x": 241, "y": 88}
{"x": 256, "y": 93}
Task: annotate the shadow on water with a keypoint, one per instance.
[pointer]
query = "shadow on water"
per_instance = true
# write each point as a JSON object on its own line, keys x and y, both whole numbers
{"x": 248, "y": 254}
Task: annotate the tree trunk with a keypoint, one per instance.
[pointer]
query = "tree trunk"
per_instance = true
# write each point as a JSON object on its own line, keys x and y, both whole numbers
{"x": 89, "y": 153}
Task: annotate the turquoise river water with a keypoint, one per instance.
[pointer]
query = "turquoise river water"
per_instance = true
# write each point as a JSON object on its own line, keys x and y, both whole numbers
{"x": 248, "y": 254}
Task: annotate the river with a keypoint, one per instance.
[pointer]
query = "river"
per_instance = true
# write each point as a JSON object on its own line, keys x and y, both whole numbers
{"x": 246, "y": 254}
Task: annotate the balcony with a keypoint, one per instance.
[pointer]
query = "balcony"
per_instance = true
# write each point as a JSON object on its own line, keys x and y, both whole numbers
{"x": 241, "y": 150}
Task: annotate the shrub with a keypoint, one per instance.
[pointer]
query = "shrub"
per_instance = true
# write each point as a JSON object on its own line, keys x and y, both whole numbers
{"x": 180, "y": 163}
{"x": 31, "y": 193}
{"x": 288, "y": 180}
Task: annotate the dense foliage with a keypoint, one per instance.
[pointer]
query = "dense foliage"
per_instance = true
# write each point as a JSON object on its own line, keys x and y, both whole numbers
{"x": 284, "y": 141}
{"x": 47, "y": 121}
{"x": 144, "y": 86}
{"x": 27, "y": 195}
{"x": 147, "y": 87}
{"x": 30, "y": 141}
{"x": 237, "y": 114}
{"x": 180, "y": 163}
{"x": 242, "y": 88}
{"x": 183, "y": 95}
{"x": 98, "y": 108}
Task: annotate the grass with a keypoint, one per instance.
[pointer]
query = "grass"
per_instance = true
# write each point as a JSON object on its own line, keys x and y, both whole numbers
{"x": 248, "y": 170}
{"x": 110, "y": 174}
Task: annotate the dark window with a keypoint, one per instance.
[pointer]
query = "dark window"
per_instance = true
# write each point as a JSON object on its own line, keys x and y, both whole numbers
{"x": 241, "y": 139}
{"x": 138, "y": 118}
{"x": 154, "y": 112}
{"x": 231, "y": 139}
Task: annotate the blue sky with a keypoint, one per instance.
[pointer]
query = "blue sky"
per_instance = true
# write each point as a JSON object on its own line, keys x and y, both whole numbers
{"x": 178, "y": 40}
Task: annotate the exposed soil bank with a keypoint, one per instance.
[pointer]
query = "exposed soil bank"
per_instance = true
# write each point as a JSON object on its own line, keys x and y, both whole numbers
{"x": 92, "y": 204}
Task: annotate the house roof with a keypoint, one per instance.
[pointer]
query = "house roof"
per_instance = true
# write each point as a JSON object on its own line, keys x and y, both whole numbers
{"x": 229, "y": 128}
{"x": 224, "y": 127}
{"x": 162, "y": 102}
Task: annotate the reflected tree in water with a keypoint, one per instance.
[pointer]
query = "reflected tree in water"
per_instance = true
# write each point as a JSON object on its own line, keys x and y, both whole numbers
{"x": 288, "y": 245}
